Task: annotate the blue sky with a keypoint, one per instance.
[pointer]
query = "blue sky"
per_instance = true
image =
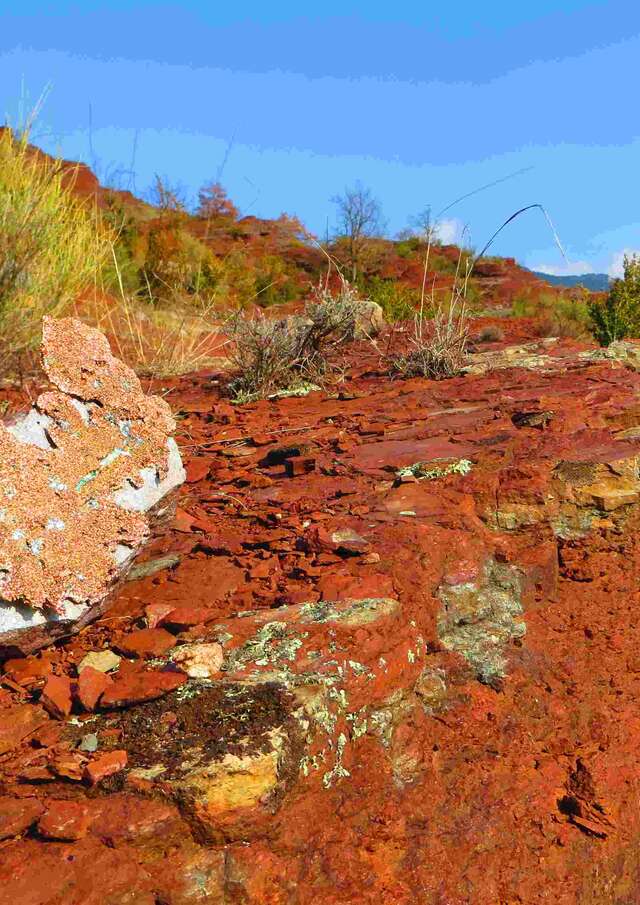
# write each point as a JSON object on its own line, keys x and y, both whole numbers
{"x": 289, "y": 104}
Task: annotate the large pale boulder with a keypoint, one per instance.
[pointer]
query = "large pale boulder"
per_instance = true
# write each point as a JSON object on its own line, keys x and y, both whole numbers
{"x": 82, "y": 477}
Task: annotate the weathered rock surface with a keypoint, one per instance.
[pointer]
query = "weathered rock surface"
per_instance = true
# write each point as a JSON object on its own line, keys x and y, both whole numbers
{"x": 81, "y": 476}
{"x": 374, "y": 682}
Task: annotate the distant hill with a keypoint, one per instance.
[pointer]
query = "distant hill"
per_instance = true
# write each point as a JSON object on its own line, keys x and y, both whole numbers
{"x": 596, "y": 282}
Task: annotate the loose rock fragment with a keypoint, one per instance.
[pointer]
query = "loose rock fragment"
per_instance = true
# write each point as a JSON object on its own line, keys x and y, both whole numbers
{"x": 106, "y": 765}
{"x": 91, "y": 686}
{"x": 81, "y": 475}
{"x": 199, "y": 661}
{"x": 102, "y": 660}
{"x": 65, "y": 820}
{"x": 56, "y": 696}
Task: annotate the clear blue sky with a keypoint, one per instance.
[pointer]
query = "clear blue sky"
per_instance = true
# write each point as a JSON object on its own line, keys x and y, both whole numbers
{"x": 291, "y": 102}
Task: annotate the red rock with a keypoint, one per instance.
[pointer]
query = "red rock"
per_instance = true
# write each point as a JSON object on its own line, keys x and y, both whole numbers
{"x": 85, "y": 872}
{"x": 262, "y": 569}
{"x": 56, "y": 697}
{"x": 146, "y": 643}
{"x": 17, "y": 723}
{"x": 155, "y": 613}
{"x": 27, "y": 671}
{"x": 90, "y": 686}
{"x": 48, "y": 735}
{"x": 136, "y": 686}
{"x": 106, "y": 765}
{"x": 129, "y": 818}
{"x": 197, "y": 470}
{"x": 185, "y": 616}
{"x": 69, "y": 766}
{"x": 17, "y": 815}
{"x": 65, "y": 820}
{"x": 183, "y": 521}
{"x": 299, "y": 466}
{"x": 36, "y": 775}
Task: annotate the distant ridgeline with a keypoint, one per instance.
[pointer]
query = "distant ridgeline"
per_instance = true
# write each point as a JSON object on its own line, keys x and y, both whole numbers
{"x": 596, "y": 282}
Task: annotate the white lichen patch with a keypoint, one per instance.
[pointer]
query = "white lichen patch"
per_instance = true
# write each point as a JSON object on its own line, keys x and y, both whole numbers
{"x": 478, "y": 620}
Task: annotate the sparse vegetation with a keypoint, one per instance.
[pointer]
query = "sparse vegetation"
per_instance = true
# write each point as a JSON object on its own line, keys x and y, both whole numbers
{"x": 397, "y": 300}
{"x": 291, "y": 354}
{"x": 51, "y": 245}
{"x": 438, "y": 346}
{"x": 618, "y": 315}
{"x": 562, "y": 315}
{"x": 359, "y": 220}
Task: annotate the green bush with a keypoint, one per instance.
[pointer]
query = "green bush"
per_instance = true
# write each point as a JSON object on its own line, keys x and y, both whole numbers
{"x": 397, "y": 300}
{"x": 274, "y": 284}
{"x": 618, "y": 315}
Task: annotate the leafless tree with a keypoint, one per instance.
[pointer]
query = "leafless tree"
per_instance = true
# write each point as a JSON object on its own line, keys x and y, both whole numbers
{"x": 359, "y": 219}
{"x": 424, "y": 224}
{"x": 170, "y": 199}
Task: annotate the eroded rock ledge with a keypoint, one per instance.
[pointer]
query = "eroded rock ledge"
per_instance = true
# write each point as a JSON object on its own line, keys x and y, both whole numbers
{"x": 82, "y": 475}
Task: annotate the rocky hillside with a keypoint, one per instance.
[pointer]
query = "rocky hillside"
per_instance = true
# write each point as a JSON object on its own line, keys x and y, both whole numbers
{"x": 386, "y": 652}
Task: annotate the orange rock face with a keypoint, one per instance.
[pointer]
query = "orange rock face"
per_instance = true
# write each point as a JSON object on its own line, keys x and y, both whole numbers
{"x": 421, "y": 657}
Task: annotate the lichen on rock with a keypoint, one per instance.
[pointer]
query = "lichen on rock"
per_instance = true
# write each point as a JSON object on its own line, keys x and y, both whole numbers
{"x": 478, "y": 619}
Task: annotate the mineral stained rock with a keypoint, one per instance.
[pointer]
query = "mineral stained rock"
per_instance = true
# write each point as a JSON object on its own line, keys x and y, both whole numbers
{"x": 82, "y": 476}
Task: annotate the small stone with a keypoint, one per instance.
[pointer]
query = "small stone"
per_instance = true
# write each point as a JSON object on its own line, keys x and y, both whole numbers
{"x": 17, "y": 815}
{"x": 199, "y": 661}
{"x": 140, "y": 685}
{"x": 106, "y": 765}
{"x": 197, "y": 470}
{"x": 89, "y": 742}
{"x": 186, "y": 616}
{"x": 147, "y": 643}
{"x": 56, "y": 697}
{"x": 299, "y": 466}
{"x": 91, "y": 685}
{"x": 65, "y": 820}
{"x": 152, "y": 566}
{"x": 156, "y": 612}
{"x": 102, "y": 660}
{"x": 27, "y": 671}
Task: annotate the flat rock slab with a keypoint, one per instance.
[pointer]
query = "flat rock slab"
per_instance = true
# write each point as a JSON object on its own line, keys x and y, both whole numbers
{"x": 82, "y": 476}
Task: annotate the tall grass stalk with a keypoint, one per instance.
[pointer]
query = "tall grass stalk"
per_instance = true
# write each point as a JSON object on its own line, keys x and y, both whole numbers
{"x": 52, "y": 246}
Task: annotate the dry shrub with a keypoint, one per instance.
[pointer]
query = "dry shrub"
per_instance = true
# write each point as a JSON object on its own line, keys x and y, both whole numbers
{"x": 291, "y": 354}
{"x": 438, "y": 345}
{"x": 51, "y": 244}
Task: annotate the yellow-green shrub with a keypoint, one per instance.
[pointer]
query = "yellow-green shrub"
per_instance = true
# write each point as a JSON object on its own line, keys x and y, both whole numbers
{"x": 51, "y": 245}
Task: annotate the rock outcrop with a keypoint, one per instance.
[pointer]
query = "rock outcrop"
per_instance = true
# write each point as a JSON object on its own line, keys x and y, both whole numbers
{"x": 82, "y": 475}
{"x": 405, "y": 672}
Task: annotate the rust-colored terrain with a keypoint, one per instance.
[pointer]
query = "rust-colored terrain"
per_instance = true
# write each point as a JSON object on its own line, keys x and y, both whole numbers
{"x": 387, "y": 652}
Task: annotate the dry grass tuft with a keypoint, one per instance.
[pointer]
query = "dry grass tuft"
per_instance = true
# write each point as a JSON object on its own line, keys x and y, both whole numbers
{"x": 438, "y": 345}
{"x": 292, "y": 354}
